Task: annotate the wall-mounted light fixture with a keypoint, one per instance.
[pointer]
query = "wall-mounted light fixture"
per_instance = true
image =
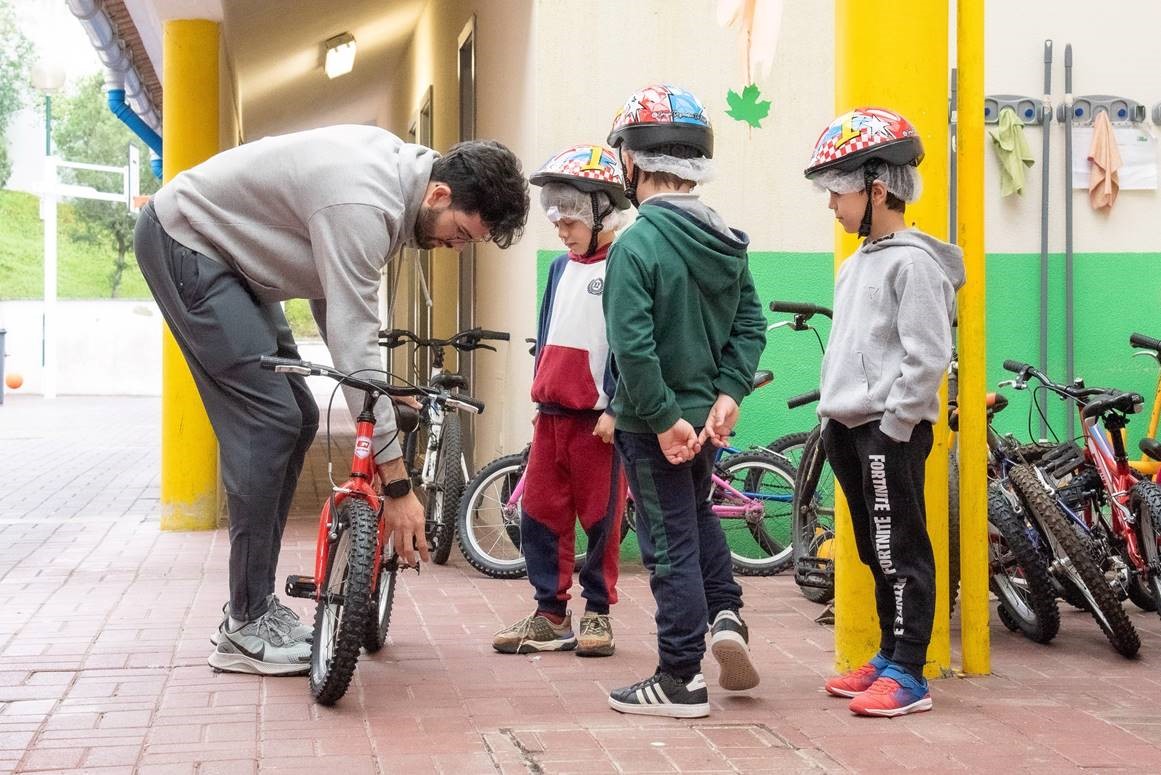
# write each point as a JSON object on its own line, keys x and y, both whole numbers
{"x": 340, "y": 57}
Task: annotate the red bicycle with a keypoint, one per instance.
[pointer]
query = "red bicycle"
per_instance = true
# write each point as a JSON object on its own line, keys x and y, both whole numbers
{"x": 1095, "y": 513}
{"x": 355, "y": 563}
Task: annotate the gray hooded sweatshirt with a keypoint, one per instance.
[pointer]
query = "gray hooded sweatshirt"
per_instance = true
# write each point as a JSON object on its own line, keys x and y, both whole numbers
{"x": 311, "y": 215}
{"x": 890, "y": 343}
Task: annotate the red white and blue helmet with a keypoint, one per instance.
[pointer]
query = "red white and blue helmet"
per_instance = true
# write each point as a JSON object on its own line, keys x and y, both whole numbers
{"x": 588, "y": 168}
{"x": 662, "y": 115}
{"x": 864, "y": 135}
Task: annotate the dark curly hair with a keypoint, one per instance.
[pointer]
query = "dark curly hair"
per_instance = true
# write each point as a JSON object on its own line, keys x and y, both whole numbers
{"x": 486, "y": 178}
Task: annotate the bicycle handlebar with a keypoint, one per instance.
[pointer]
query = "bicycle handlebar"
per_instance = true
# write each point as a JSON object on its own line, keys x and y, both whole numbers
{"x": 464, "y": 340}
{"x": 1147, "y": 342}
{"x": 1019, "y": 367}
{"x": 455, "y": 401}
{"x": 800, "y": 308}
{"x": 806, "y": 398}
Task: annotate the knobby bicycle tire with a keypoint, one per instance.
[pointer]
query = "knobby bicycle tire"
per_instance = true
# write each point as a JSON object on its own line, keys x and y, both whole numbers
{"x": 1103, "y": 605}
{"x": 1018, "y": 574}
{"x": 791, "y": 446}
{"x": 813, "y": 538}
{"x": 444, "y": 503}
{"x": 764, "y": 547}
{"x": 382, "y": 599}
{"x": 344, "y": 606}
{"x": 1145, "y": 501}
{"x": 489, "y": 531}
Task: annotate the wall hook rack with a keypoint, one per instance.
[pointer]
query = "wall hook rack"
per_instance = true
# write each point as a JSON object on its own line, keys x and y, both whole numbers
{"x": 1030, "y": 110}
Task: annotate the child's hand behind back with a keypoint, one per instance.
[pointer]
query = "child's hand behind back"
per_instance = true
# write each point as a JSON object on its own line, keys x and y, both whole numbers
{"x": 680, "y": 443}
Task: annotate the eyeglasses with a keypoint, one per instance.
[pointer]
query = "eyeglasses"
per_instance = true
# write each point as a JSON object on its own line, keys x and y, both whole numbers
{"x": 463, "y": 236}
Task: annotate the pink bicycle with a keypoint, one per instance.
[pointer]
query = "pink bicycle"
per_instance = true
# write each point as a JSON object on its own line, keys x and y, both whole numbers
{"x": 752, "y": 496}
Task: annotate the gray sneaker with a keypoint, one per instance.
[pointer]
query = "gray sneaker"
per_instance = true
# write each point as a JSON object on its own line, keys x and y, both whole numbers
{"x": 298, "y": 630}
{"x": 263, "y": 647}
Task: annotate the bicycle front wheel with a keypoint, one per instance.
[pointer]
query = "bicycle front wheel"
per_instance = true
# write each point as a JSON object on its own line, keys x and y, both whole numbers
{"x": 813, "y": 526}
{"x": 344, "y": 606}
{"x": 444, "y": 503}
{"x": 791, "y": 446}
{"x": 1075, "y": 562}
{"x": 1145, "y": 501}
{"x": 1018, "y": 573}
{"x": 489, "y": 521}
{"x": 753, "y": 503}
{"x": 382, "y": 599}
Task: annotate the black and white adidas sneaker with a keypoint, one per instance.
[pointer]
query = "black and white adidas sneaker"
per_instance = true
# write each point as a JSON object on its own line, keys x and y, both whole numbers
{"x": 729, "y": 643}
{"x": 663, "y": 694}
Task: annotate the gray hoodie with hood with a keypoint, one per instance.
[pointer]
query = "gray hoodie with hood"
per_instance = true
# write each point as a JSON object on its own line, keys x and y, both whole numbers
{"x": 890, "y": 343}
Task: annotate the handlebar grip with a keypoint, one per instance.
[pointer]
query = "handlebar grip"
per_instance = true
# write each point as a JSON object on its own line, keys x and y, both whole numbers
{"x": 799, "y": 308}
{"x": 806, "y": 398}
{"x": 271, "y": 362}
{"x": 1016, "y": 367}
{"x": 499, "y": 336}
{"x": 1147, "y": 342}
{"x": 466, "y": 403}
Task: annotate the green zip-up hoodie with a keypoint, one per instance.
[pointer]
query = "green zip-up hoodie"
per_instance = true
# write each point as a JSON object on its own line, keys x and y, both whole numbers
{"x": 684, "y": 322}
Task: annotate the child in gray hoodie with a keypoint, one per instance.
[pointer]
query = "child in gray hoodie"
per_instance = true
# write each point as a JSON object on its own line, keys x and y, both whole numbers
{"x": 889, "y": 346}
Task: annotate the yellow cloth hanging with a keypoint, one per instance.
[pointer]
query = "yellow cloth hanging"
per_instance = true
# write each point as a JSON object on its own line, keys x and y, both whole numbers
{"x": 1105, "y": 159}
{"x": 1012, "y": 151}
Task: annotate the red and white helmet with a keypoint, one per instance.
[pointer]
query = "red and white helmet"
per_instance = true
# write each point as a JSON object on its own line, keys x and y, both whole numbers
{"x": 863, "y": 135}
{"x": 588, "y": 168}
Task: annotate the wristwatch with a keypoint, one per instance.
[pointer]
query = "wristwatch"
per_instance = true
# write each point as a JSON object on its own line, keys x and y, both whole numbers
{"x": 397, "y": 488}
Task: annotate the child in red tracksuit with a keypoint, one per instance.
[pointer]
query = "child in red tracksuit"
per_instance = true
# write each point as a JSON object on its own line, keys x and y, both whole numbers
{"x": 572, "y": 471}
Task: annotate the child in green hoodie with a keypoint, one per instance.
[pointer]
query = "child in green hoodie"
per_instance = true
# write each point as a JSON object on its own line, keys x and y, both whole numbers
{"x": 890, "y": 344}
{"x": 685, "y": 328}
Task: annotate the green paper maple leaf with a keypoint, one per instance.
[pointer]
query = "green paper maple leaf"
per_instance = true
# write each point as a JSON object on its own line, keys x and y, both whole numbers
{"x": 747, "y": 107}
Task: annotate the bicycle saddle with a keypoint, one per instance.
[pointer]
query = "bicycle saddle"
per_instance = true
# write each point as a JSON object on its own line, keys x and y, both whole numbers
{"x": 449, "y": 380}
{"x": 1152, "y": 448}
{"x": 762, "y": 377}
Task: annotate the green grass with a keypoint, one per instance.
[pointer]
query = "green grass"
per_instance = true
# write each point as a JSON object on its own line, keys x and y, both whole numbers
{"x": 83, "y": 269}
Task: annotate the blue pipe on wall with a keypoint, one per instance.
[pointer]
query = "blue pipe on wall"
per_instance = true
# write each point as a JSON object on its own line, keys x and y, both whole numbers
{"x": 135, "y": 123}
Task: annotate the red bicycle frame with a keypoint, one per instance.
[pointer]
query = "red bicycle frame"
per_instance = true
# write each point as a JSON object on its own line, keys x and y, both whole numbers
{"x": 363, "y": 483}
{"x": 1111, "y": 462}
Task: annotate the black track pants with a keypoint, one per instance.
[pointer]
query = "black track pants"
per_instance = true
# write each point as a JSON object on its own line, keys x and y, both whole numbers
{"x": 883, "y": 481}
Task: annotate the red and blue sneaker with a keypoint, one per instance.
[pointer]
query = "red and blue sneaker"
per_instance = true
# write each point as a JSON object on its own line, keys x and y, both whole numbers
{"x": 858, "y": 680}
{"x": 894, "y": 693}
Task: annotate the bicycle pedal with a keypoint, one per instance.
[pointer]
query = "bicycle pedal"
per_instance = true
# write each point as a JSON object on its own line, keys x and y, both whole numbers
{"x": 301, "y": 586}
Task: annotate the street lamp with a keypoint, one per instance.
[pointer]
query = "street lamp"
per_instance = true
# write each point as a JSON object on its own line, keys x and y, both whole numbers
{"x": 48, "y": 78}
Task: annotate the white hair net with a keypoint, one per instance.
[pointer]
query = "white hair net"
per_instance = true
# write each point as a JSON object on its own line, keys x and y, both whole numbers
{"x": 560, "y": 200}
{"x": 903, "y": 181}
{"x": 699, "y": 170}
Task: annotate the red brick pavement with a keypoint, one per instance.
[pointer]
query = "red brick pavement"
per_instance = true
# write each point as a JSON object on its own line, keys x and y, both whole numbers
{"x": 103, "y": 638}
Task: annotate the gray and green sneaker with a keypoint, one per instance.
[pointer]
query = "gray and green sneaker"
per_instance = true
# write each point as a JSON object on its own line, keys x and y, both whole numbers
{"x": 596, "y": 636}
{"x": 262, "y": 647}
{"x": 298, "y": 630}
{"x": 535, "y": 633}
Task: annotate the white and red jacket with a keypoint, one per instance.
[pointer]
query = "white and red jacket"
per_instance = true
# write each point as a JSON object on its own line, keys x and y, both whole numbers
{"x": 573, "y": 371}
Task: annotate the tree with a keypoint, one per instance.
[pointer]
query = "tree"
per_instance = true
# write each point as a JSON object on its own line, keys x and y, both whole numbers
{"x": 15, "y": 53}
{"x": 88, "y": 132}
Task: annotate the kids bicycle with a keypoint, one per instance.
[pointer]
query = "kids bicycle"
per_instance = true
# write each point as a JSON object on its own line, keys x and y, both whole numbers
{"x": 1092, "y": 510}
{"x": 433, "y": 452}
{"x": 355, "y": 559}
{"x": 751, "y": 492}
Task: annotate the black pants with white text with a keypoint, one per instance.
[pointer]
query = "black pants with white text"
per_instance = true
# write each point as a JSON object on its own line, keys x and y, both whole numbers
{"x": 883, "y": 482}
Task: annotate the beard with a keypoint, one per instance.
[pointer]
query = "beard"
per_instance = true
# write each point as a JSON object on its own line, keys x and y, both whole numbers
{"x": 424, "y": 226}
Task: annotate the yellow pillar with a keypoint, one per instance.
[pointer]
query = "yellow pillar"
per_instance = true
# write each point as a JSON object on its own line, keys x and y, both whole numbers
{"x": 911, "y": 78}
{"x": 189, "y": 449}
{"x": 973, "y": 454}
